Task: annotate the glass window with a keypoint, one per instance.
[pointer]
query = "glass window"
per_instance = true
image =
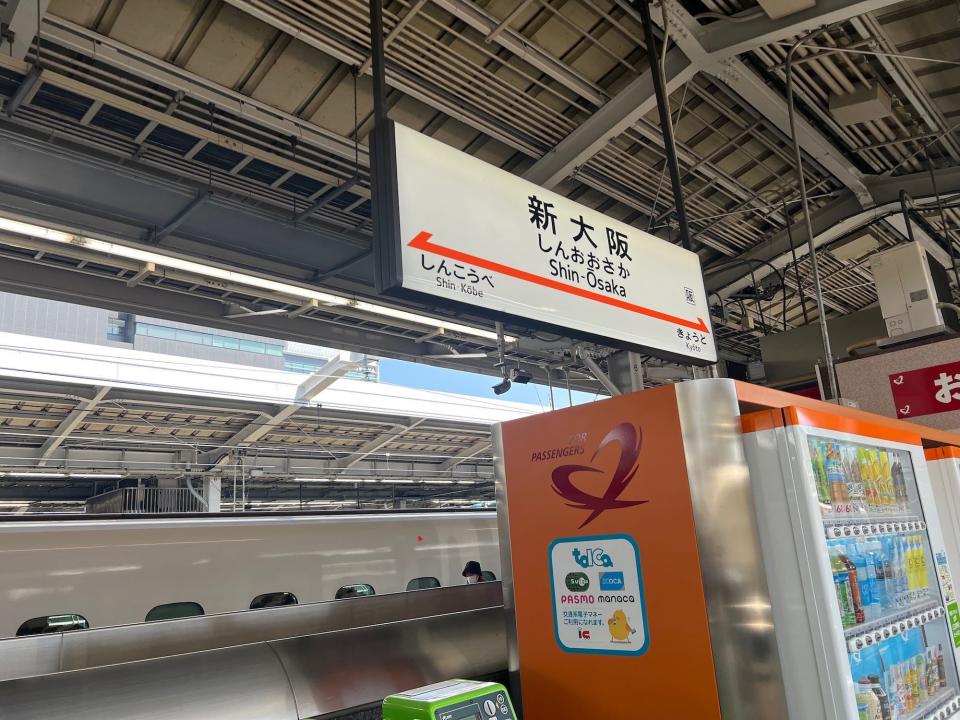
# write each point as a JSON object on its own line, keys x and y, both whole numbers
{"x": 252, "y": 346}
{"x": 157, "y": 331}
{"x": 190, "y": 336}
{"x": 172, "y": 611}
{"x": 274, "y": 350}
{"x": 487, "y": 576}
{"x": 423, "y": 583}
{"x": 274, "y": 599}
{"x": 222, "y": 341}
{"x": 352, "y": 591}
{"x": 53, "y": 624}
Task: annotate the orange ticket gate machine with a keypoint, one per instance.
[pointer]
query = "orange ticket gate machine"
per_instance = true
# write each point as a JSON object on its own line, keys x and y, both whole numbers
{"x": 666, "y": 554}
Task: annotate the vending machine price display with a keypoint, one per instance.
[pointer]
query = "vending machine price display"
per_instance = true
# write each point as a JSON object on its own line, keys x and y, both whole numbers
{"x": 884, "y": 578}
{"x": 451, "y": 700}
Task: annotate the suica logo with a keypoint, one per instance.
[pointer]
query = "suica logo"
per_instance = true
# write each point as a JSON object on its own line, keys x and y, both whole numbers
{"x": 629, "y": 438}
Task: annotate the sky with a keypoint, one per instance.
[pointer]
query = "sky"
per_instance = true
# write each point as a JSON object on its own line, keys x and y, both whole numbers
{"x": 427, "y": 377}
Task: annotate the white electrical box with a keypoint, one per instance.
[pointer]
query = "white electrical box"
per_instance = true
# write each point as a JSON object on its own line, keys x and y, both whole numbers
{"x": 906, "y": 289}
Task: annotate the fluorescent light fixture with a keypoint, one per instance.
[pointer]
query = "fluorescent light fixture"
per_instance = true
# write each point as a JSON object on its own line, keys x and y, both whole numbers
{"x": 170, "y": 261}
{"x": 95, "y": 476}
{"x": 395, "y": 481}
{"x": 27, "y": 473}
{"x": 355, "y": 480}
{"x": 438, "y": 482}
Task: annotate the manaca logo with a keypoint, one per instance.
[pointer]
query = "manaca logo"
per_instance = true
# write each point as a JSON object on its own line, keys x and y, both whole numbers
{"x": 629, "y": 438}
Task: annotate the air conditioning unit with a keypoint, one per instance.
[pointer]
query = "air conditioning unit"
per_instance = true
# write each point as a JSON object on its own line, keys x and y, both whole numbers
{"x": 910, "y": 284}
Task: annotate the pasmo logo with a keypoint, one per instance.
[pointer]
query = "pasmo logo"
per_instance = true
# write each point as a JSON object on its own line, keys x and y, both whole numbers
{"x": 629, "y": 438}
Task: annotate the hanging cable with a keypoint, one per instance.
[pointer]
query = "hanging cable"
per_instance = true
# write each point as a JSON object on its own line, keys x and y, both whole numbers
{"x": 943, "y": 220}
{"x": 796, "y": 267}
{"x": 812, "y": 246}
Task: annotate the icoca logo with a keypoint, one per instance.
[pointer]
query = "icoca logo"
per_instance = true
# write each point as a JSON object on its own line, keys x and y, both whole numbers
{"x": 592, "y": 557}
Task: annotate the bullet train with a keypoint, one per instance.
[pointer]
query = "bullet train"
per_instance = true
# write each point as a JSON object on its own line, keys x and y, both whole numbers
{"x": 73, "y": 574}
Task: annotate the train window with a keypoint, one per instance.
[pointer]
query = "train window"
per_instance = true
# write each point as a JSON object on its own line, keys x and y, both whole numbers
{"x": 172, "y": 611}
{"x": 423, "y": 583}
{"x": 53, "y": 624}
{"x": 487, "y": 576}
{"x": 352, "y": 591}
{"x": 274, "y": 599}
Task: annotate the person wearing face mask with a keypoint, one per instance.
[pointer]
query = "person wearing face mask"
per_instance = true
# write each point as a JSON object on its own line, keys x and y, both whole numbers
{"x": 473, "y": 573}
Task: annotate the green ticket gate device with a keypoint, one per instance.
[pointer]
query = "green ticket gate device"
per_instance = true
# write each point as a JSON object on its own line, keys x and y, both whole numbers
{"x": 451, "y": 700}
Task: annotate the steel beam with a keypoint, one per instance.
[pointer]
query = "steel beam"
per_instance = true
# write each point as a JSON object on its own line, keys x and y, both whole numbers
{"x": 690, "y": 37}
{"x": 839, "y": 217}
{"x": 368, "y": 448}
{"x": 478, "y": 448}
{"x": 614, "y": 118}
{"x": 181, "y": 217}
{"x": 20, "y": 18}
{"x": 69, "y": 424}
{"x": 25, "y": 92}
{"x": 264, "y": 423}
{"x": 470, "y": 13}
{"x": 725, "y": 39}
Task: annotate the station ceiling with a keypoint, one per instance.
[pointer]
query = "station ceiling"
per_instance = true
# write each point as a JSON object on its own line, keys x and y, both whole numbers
{"x": 235, "y": 131}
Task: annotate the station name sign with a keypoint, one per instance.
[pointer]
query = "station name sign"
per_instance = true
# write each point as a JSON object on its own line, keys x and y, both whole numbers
{"x": 465, "y": 231}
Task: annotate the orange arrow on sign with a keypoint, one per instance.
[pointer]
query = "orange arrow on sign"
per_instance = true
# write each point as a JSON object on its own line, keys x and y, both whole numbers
{"x": 422, "y": 242}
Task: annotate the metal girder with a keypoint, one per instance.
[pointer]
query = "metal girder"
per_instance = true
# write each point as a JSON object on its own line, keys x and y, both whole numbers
{"x": 520, "y": 46}
{"x": 265, "y": 422}
{"x": 381, "y": 440}
{"x": 181, "y": 217}
{"x": 478, "y": 448}
{"x": 327, "y": 198}
{"x": 118, "y": 54}
{"x": 725, "y": 39}
{"x": 835, "y": 219}
{"x": 611, "y": 120}
{"x": 69, "y": 424}
{"x": 25, "y": 92}
{"x": 769, "y": 104}
{"x": 916, "y": 96}
{"x": 20, "y": 18}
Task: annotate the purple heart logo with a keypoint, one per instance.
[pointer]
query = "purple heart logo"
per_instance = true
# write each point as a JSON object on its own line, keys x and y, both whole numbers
{"x": 629, "y": 438}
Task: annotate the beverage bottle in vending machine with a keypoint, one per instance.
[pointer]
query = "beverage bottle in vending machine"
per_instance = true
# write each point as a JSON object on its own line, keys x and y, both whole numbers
{"x": 820, "y": 472}
{"x": 871, "y": 490}
{"x": 887, "y": 476}
{"x": 842, "y": 586}
{"x": 865, "y": 579}
{"x": 856, "y": 593}
{"x": 856, "y": 492}
{"x": 878, "y": 565}
{"x": 900, "y": 484}
{"x": 886, "y": 712}
{"x": 838, "y": 483}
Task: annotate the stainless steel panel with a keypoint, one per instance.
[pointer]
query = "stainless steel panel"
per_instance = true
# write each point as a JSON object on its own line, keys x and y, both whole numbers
{"x": 742, "y": 631}
{"x": 30, "y": 654}
{"x": 245, "y": 683}
{"x": 335, "y": 671}
{"x": 506, "y": 566}
{"x": 42, "y": 654}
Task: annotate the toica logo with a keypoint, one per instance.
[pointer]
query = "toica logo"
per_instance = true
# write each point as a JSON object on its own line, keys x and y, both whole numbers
{"x": 577, "y": 582}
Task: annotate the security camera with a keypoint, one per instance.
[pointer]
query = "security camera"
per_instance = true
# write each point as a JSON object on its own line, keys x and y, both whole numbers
{"x": 520, "y": 376}
{"x": 501, "y": 387}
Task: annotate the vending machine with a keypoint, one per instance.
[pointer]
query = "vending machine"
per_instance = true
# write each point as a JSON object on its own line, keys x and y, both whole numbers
{"x": 716, "y": 550}
{"x": 943, "y": 464}
{"x": 856, "y": 566}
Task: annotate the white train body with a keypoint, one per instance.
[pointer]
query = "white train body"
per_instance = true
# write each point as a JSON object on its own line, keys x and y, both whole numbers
{"x": 113, "y": 572}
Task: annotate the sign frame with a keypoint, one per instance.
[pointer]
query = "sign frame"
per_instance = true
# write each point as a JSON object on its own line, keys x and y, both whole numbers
{"x": 388, "y": 264}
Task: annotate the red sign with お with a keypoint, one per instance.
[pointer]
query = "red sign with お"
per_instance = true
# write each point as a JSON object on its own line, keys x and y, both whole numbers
{"x": 926, "y": 391}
